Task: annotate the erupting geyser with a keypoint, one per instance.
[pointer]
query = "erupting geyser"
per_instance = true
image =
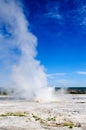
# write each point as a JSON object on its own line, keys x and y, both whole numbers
{"x": 27, "y": 75}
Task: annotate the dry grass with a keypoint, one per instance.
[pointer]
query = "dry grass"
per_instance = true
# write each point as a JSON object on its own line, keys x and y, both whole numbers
{"x": 51, "y": 122}
{"x": 14, "y": 114}
{"x": 51, "y": 118}
{"x": 69, "y": 124}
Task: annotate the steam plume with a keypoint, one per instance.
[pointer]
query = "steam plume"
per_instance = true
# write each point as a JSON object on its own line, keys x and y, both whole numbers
{"x": 27, "y": 73}
{"x": 18, "y": 46}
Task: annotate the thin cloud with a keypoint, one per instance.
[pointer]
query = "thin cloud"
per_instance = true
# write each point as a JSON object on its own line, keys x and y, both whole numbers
{"x": 70, "y": 83}
{"x": 55, "y": 15}
{"x": 81, "y": 72}
{"x": 82, "y": 15}
{"x": 54, "y": 11}
{"x": 54, "y": 75}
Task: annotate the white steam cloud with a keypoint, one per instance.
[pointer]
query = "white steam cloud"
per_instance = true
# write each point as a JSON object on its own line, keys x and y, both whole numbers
{"x": 28, "y": 76}
{"x": 27, "y": 73}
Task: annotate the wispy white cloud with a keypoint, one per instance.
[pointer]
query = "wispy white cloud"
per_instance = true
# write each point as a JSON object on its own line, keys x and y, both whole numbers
{"x": 82, "y": 15}
{"x": 54, "y": 75}
{"x": 70, "y": 83}
{"x": 81, "y": 72}
{"x": 62, "y": 81}
{"x": 71, "y": 79}
{"x": 55, "y": 15}
{"x": 53, "y": 12}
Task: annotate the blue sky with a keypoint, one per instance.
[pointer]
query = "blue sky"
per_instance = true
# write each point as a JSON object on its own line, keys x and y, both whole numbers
{"x": 60, "y": 27}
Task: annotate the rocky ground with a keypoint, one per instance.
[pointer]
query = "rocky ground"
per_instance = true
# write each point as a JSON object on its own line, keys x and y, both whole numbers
{"x": 65, "y": 114}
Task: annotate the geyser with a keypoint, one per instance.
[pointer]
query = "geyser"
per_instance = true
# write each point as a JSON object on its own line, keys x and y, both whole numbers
{"x": 18, "y": 50}
{"x": 27, "y": 74}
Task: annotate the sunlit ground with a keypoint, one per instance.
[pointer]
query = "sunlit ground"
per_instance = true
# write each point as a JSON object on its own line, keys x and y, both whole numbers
{"x": 63, "y": 114}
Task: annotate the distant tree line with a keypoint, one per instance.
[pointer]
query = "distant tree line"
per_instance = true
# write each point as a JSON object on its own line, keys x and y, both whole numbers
{"x": 73, "y": 90}
{"x": 5, "y": 91}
